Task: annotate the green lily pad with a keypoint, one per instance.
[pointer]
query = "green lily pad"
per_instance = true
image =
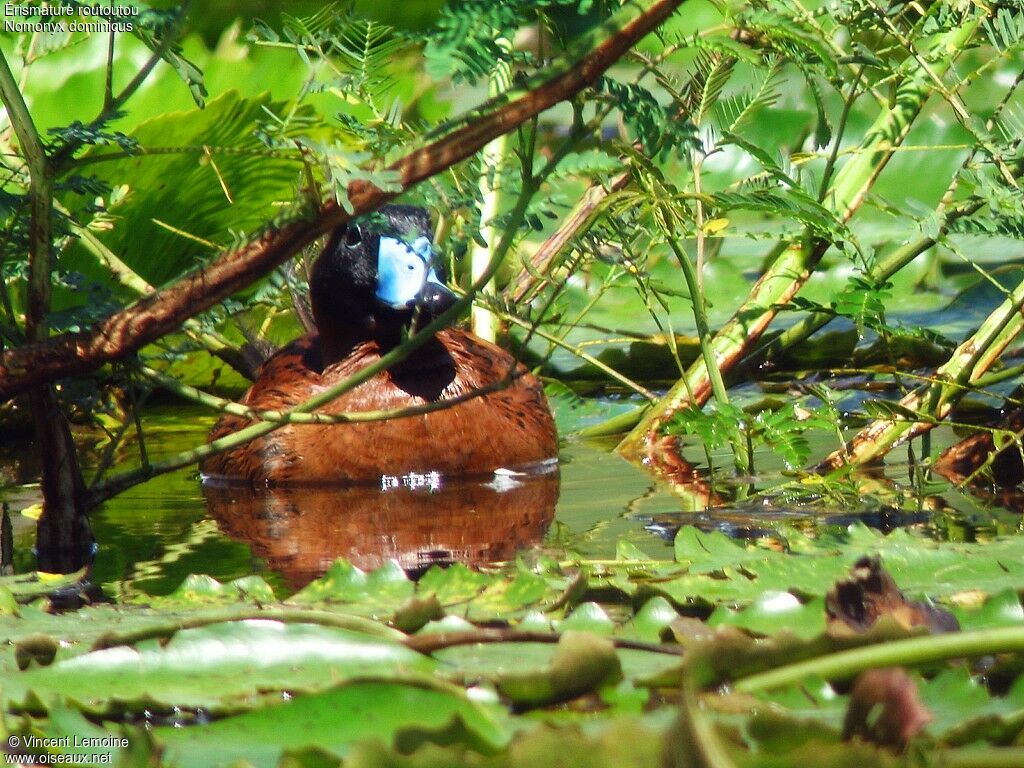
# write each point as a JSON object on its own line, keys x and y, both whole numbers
{"x": 727, "y": 571}
{"x": 772, "y": 612}
{"x": 1002, "y": 609}
{"x": 196, "y": 589}
{"x": 213, "y": 667}
{"x": 589, "y": 617}
{"x": 454, "y": 584}
{"x": 402, "y": 714}
{"x": 377, "y": 593}
{"x": 504, "y": 598}
{"x": 652, "y": 619}
{"x": 29, "y": 586}
{"x": 582, "y": 662}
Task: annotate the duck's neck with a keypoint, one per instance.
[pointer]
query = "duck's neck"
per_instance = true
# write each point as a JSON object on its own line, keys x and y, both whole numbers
{"x": 425, "y": 373}
{"x": 338, "y": 348}
{"x": 338, "y": 339}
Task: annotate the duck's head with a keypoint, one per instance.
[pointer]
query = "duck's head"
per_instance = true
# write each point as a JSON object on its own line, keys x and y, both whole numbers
{"x": 376, "y": 276}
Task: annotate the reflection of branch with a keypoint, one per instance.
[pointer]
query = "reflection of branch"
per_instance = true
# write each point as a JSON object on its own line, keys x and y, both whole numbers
{"x": 150, "y": 318}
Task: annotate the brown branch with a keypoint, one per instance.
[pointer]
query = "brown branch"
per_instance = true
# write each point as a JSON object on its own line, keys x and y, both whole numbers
{"x": 581, "y": 218}
{"x": 143, "y": 322}
{"x": 64, "y": 537}
{"x": 432, "y": 643}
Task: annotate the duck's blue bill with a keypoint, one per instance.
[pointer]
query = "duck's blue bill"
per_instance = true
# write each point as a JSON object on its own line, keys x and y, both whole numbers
{"x": 403, "y": 271}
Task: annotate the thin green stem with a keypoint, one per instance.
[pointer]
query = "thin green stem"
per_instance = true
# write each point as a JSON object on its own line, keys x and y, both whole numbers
{"x": 111, "y": 106}
{"x": 493, "y": 158}
{"x": 636, "y": 387}
{"x": 281, "y": 418}
{"x": 830, "y": 163}
{"x": 844, "y": 665}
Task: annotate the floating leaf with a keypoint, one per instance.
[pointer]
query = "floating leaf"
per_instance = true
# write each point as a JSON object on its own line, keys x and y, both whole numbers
{"x": 213, "y": 667}
{"x": 582, "y": 662}
{"x": 402, "y": 714}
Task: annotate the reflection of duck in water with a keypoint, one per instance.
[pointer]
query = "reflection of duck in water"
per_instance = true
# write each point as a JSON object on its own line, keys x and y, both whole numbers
{"x": 300, "y": 531}
{"x": 365, "y": 288}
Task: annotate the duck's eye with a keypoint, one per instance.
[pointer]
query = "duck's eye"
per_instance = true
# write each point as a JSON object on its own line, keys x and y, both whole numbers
{"x": 352, "y": 237}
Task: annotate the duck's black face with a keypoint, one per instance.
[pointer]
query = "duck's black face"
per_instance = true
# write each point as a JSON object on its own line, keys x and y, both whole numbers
{"x": 376, "y": 275}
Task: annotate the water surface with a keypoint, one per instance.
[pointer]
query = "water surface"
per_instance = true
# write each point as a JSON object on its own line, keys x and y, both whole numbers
{"x": 155, "y": 534}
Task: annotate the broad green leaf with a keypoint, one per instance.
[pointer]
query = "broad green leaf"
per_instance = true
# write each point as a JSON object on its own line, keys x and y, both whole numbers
{"x": 455, "y": 584}
{"x": 504, "y": 598}
{"x": 772, "y": 612}
{"x": 206, "y": 195}
{"x": 582, "y": 662}
{"x": 222, "y": 665}
{"x": 653, "y": 618}
{"x": 1001, "y": 609}
{"x": 377, "y": 593}
{"x": 29, "y": 586}
{"x": 404, "y": 715}
{"x": 588, "y": 617}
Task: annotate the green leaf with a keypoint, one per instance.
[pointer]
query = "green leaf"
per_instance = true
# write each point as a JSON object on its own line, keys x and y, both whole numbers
{"x": 454, "y": 584}
{"x": 26, "y": 587}
{"x": 505, "y": 598}
{"x": 378, "y": 593}
{"x": 709, "y": 552}
{"x": 208, "y": 196}
{"x": 404, "y": 715}
{"x": 197, "y": 589}
{"x": 1002, "y": 609}
{"x": 222, "y": 665}
{"x": 582, "y": 663}
{"x": 653, "y": 618}
{"x": 589, "y": 617}
{"x": 773, "y": 612}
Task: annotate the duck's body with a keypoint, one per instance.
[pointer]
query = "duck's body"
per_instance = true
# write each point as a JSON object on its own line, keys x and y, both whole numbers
{"x": 510, "y": 427}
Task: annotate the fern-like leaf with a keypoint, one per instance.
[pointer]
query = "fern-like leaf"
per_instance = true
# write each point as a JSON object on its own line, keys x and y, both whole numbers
{"x": 734, "y": 112}
{"x": 713, "y": 72}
